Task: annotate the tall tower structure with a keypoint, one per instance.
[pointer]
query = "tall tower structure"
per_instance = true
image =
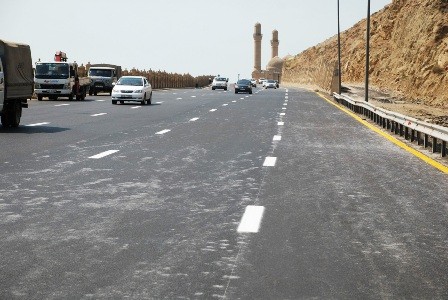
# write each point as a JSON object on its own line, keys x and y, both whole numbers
{"x": 257, "y": 47}
{"x": 274, "y": 43}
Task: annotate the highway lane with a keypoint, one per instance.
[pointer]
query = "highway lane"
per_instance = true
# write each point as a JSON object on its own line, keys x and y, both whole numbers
{"x": 346, "y": 214}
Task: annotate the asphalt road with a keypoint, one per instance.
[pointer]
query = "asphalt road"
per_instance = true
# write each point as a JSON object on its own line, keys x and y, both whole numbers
{"x": 211, "y": 195}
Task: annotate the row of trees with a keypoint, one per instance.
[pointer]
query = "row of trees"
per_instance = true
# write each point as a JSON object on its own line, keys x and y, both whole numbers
{"x": 162, "y": 79}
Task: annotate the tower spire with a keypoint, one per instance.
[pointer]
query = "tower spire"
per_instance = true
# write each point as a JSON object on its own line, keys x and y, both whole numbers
{"x": 257, "y": 47}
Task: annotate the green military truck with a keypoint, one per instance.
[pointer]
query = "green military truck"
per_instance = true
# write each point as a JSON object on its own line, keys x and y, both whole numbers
{"x": 16, "y": 81}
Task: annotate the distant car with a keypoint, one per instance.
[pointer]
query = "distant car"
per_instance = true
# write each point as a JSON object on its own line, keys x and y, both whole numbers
{"x": 253, "y": 82}
{"x": 261, "y": 81}
{"x": 219, "y": 83}
{"x": 243, "y": 85}
{"x": 270, "y": 84}
{"x": 132, "y": 88}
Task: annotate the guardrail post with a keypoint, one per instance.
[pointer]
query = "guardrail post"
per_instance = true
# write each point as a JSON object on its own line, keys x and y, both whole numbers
{"x": 406, "y": 133}
{"x": 401, "y": 130}
{"x": 419, "y": 140}
{"x": 426, "y": 141}
{"x": 412, "y": 135}
{"x": 443, "y": 150}
{"x": 434, "y": 145}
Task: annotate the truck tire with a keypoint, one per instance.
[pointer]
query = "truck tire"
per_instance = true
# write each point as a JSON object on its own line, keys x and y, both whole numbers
{"x": 39, "y": 97}
{"x": 11, "y": 116}
{"x": 70, "y": 97}
{"x": 90, "y": 92}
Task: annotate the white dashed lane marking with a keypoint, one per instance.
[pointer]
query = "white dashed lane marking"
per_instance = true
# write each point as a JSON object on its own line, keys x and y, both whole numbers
{"x": 277, "y": 138}
{"x": 281, "y": 123}
{"x": 214, "y": 109}
{"x": 225, "y": 104}
{"x": 103, "y": 154}
{"x": 134, "y": 107}
{"x": 163, "y": 131}
{"x": 100, "y": 114}
{"x": 194, "y": 119}
{"x": 65, "y": 104}
{"x": 38, "y": 124}
{"x": 251, "y": 220}
{"x": 282, "y": 114}
{"x": 270, "y": 161}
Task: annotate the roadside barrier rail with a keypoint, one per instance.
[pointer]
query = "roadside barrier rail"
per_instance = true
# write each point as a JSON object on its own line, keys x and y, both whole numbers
{"x": 423, "y": 133}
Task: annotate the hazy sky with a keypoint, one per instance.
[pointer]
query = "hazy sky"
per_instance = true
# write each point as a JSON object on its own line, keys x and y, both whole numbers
{"x": 199, "y": 37}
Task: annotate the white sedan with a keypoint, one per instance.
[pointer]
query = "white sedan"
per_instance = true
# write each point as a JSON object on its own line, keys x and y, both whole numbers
{"x": 132, "y": 88}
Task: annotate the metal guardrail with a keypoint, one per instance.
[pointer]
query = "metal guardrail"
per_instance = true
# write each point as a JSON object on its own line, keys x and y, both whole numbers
{"x": 426, "y": 134}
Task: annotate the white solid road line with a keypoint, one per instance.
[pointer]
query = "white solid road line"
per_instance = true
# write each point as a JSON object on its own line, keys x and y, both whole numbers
{"x": 270, "y": 161}
{"x": 100, "y": 114}
{"x": 103, "y": 154}
{"x": 65, "y": 104}
{"x": 277, "y": 138}
{"x": 37, "y": 124}
{"x": 163, "y": 131}
{"x": 251, "y": 220}
{"x": 194, "y": 119}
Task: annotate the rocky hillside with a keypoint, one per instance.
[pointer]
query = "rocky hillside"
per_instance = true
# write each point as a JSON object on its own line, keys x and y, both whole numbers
{"x": 409, "y": 53}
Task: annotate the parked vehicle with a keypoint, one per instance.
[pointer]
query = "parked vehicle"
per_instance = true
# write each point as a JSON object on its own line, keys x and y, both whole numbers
{"x": 243, "y": 85}
{"x": 60, "y": 79}
{"x": 16, "y": 81}
{"x": 253, "y": 82}
{"x": 219, "y": 83}
{"x": 102, "y": 77}
{"x": 132, "y": 88}
{"x": 270, "y": 84}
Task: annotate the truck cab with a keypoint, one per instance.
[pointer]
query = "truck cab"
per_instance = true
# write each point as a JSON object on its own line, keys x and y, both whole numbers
{"x": 102, "y": 79}
{"x": 59, "y": 79}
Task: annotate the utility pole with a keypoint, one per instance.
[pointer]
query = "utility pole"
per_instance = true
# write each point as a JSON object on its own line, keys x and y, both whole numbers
{"x": 339, "y": 55}
{"x": 367, "y": 53}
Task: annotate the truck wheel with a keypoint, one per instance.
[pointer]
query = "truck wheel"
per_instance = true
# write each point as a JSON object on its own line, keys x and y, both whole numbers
{"x": 11, "y": 117}
{"x": 39, "y": 97}
{"x": 70, "y": 97}
{"x": 90, "y": 92}
{"x": 95, "y": 93}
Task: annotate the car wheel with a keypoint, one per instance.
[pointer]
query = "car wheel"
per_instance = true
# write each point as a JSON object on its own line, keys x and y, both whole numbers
{"x": 90, "y": 92}
{"x": 39, "y": 97}
{"x": 144, "y": 100}
{"x": 250, "y": 92}
{"x": 150, "y": 99}
{"x": 213, "y": 88}
{"x": 114, "y": 102}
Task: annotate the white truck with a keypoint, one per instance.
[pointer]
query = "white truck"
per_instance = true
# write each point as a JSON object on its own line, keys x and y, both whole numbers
{"x": 103, "y": 77}
{"x": 16, "y": 81}
{"x": 60, "y": 79}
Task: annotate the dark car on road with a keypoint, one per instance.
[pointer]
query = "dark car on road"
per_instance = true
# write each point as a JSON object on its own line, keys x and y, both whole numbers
{"x": 243, "y": 85}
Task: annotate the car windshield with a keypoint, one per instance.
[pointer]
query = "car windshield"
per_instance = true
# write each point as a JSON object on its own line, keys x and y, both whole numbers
{"x": 271, "y": 81}
{"x": 100, "y": 72}
{"x": 243, "y": 81}
{"x": 130, "y": 81}
{"x": 220, "y": 79}
{"x": 52, "y": 70}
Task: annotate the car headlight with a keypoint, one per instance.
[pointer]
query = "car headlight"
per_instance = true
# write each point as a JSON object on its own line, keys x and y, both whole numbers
{"x": 138, "y": 91}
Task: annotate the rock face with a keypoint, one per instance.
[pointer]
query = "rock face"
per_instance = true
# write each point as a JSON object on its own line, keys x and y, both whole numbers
{"x": 408, "y": 53}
